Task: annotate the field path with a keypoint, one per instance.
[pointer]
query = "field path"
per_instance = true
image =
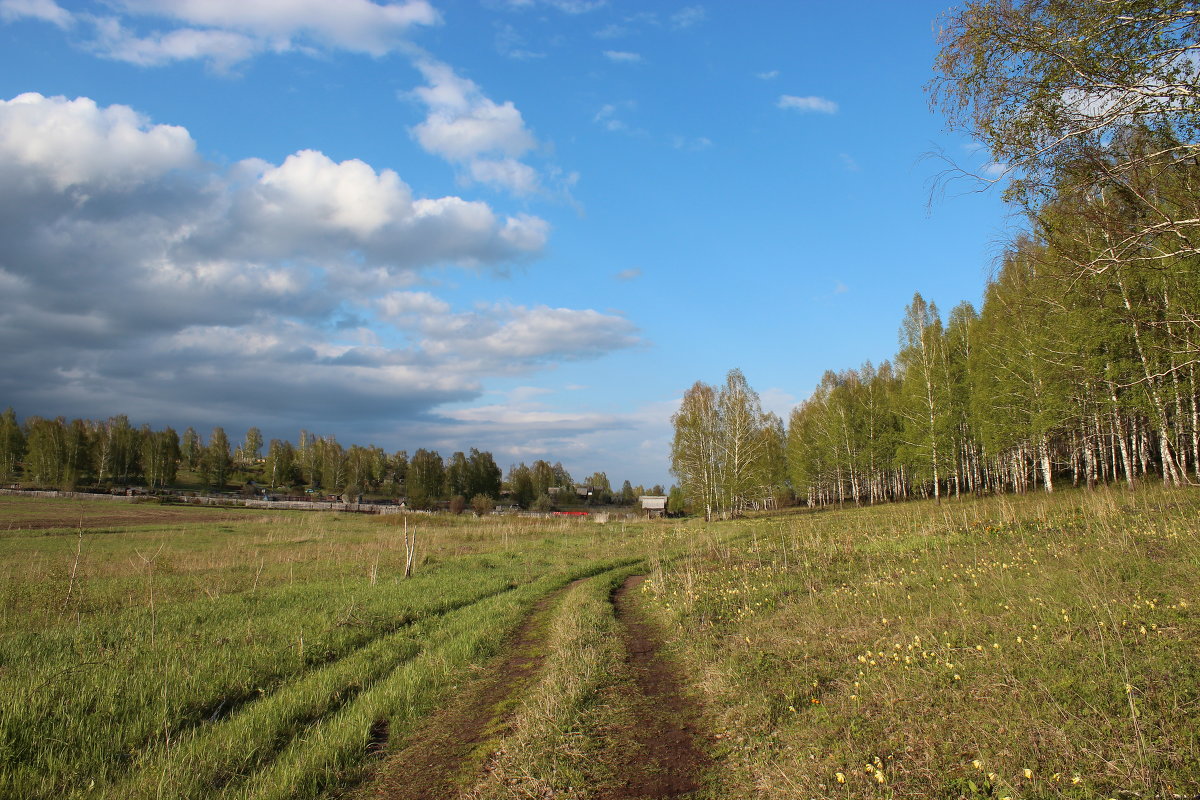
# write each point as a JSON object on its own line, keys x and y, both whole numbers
{"x": 446, "y": 746}
{"x": 655, "y": 752}
{"x": 666, "y": 760}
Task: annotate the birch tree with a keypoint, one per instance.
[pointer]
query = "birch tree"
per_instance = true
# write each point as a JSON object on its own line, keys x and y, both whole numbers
{"x": 1051, "y": 87}
{"x": 280, "y": 466}
{"x": 742, "y": 442}
{"x": 726, "y": 452}
{"x": 216, "y": 461}
{"x": 425, "y": 479}
{"x": 12, "y": 445}
{"x": 251, "y": 449}
{"x": 1096, "y": 104}
{"x": 695, "y": 448}
{"x": 190, "y": 448}
{"x": 926, "y": 398}
{"x": 159, "y": 456}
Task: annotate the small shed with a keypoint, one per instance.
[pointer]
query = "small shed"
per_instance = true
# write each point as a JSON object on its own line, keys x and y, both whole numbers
{"x": 655, "y": 505}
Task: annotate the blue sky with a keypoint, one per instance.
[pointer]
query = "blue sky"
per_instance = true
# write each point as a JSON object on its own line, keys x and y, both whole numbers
{"x": 521, "y": 225}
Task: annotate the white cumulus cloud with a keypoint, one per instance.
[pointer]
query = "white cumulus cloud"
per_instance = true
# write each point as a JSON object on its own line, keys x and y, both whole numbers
{"x": 349, "y": 196}
{"x": 75, "y": 143}
{"x": 225, "y": 32}
{"x": 467, "y": 128}
{"x": 513, "y": 334}
{"x": 137, "y": 276}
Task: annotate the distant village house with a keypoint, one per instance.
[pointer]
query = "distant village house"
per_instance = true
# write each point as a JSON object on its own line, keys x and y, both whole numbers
{"x": 655, "y": 505}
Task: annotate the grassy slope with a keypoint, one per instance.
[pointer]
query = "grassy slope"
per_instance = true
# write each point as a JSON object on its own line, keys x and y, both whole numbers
{"x": 1007, "y": 647}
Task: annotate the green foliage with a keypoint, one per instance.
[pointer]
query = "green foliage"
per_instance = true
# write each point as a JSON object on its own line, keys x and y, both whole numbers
{"x": 12, "y": 445}
{"x": 57, "y": 452}
{"x": 115, "y": 450}
{"x": 472, "y": 475}
{"x": 601, "y": 488}
{"x": 280, "y": 466}
{"x": 676, "y": 501}
{"x": 1059, "y": 375}
{"x": 483, "y": 476}
{"x": 426, "y": 478}
{"x": 1052, "y": 88}
{"x": 727, "y": 454}
{"x": 482, "y": 504}
{"x": 924, "y": 407}
{"x": 1094, "y": 110}
{"x": 159, "y": 456}
{"x": 251, "y": 449}
{"x": 520, "y": 482}
{"x": 190, "y": 449}
{"x": 216, "y": 462}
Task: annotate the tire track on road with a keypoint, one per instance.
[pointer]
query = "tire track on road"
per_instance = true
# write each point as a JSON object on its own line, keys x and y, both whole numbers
{"x": 444, "y": 749}
{"x": 666, "y": 759}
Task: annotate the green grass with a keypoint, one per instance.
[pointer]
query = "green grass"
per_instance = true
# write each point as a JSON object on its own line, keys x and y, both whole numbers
{"x": 915, "y": 650}
{"x": 562, "y": 735}
{"x": 1006, "y": 647}
{"x": 248, "y": 655}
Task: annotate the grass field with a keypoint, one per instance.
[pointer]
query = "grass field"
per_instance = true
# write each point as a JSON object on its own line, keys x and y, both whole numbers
{"x": 250, "y": 656}
{"x": 1032, "y": 647}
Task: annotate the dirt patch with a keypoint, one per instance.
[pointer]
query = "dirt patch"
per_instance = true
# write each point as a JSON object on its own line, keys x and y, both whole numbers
{"x": 102, "y": 514}
{"x": 449, "y": 744}
{"x": 666, "y": 759}
{"x": 23, "y": 512}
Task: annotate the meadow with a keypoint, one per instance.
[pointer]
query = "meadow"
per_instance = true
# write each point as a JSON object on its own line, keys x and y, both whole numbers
{"x": 252, "y": 656}
{"x": 1039, "y": 646}
{"x": 1044, "y": 646}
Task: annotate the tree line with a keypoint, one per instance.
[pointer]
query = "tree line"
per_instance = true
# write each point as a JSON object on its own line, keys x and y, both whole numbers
{"x": 114, "y": 452}
{"x": 54, "y": 452}
{"x": 1081, "y": 363}
{"x": 1059, "y": 377}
